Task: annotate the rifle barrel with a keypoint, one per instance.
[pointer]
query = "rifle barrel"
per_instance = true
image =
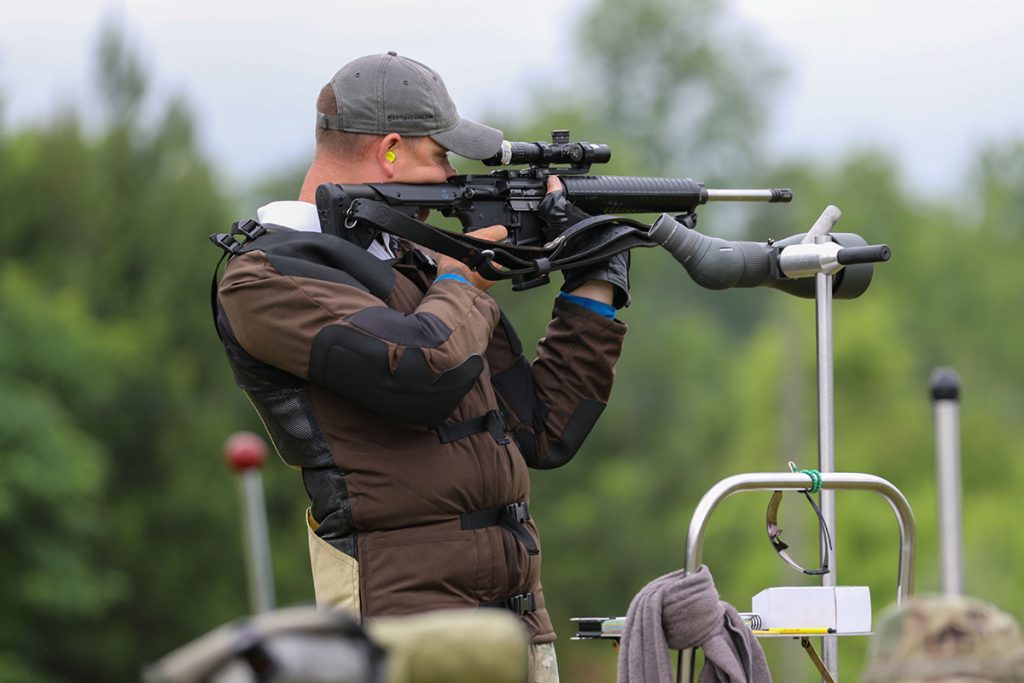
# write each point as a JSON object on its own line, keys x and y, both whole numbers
{"x": 633, "y": 194}
{"x": 774, "y": 194}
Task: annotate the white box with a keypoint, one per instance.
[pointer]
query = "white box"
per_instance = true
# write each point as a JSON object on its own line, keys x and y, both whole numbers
{"x": 846, "y": 609}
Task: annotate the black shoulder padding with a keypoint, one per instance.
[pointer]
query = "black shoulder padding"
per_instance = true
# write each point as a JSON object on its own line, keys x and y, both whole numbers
{"x": 420, "y": 329}
{"x": 249, "y": 372}
{"x": 326, "y": 257}
{"x": 576, "y": 430}
{"x": 355, "y": 367}
{"x": 282, "y": 401}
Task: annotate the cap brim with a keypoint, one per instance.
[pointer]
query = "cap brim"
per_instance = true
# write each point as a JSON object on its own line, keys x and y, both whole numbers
{"x": 471, "y": 139}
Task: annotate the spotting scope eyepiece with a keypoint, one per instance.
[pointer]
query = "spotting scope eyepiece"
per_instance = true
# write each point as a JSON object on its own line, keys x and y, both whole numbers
{"x": 787, "y": 265}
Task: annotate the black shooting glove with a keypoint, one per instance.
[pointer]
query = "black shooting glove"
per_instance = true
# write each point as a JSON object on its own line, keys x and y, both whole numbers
{"x": 559, "y": 215}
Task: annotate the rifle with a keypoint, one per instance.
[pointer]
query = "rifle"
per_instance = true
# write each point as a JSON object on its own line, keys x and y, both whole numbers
{"x": 536, "y": 245}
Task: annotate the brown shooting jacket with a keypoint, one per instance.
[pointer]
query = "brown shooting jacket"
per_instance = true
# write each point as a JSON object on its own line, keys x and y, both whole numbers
{"x": 408, "y": 405}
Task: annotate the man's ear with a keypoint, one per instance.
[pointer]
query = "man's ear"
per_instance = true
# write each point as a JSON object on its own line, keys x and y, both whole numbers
{"x": 384, "y": 154}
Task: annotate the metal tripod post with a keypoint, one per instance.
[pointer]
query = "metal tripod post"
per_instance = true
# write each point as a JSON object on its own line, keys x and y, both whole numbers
{"x": 945, "y": 386}
{"x": 826, "y": 434}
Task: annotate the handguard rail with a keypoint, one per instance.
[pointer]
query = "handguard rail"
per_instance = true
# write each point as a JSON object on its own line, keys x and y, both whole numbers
{"x": 778, "y": 481}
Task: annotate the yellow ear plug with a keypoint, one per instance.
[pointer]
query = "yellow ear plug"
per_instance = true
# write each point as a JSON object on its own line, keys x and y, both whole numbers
{"x": 390, "y": 156}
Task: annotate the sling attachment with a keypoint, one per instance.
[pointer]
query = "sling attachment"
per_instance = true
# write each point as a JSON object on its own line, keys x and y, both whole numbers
{"x": 512, "y": 517}
{"x": 492, "y": 421}
{"x": 589, "y": 241}
{"x": 775, "y": 533}
{"x": 521, "y": 604}
{"x": 241, "y": 234}
{"x": 480, "y": 259}
{"x": 232, "y": 243}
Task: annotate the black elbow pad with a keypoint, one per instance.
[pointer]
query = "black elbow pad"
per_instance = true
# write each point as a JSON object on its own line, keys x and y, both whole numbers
{"x": 576, "y": 430}
{"x": 354, "y": 366}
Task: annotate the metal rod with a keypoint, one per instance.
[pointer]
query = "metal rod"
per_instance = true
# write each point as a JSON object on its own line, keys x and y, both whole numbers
{"x": 744, "y": 195}
{"x": 826, "y": 437}
{"x": 826, "y": 221}
{"x": 786, "y": 481}
{"x": 778, "y": 481}
{"x": 945, "y": 389}
{"x": 805, "y": 643}
{"x": 254, "y": 516}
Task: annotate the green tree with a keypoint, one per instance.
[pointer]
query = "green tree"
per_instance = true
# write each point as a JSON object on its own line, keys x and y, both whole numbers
{"x": 116, "y": 392}
{"x": 60, "y": 369}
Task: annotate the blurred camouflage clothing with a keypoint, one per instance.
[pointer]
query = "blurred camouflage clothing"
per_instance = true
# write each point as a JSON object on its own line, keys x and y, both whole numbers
{"x": 543, "y": 665}
{"x": 946, "y": 639}
{"x": 310, "y": 645}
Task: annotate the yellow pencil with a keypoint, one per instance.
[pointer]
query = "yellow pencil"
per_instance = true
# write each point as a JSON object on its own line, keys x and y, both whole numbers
{"x": 797, "y": 631}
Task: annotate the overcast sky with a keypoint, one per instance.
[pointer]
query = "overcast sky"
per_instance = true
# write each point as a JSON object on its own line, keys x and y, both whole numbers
{"x": 927, "y": 79}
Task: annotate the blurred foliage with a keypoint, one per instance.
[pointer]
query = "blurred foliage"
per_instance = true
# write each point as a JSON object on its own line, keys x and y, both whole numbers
{"x": 679, "y": 80}
{"x": 120, "y": 523}
{"x": 119, "y": 519}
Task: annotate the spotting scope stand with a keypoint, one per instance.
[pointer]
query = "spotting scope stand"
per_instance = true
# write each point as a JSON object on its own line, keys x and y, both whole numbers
{"x": 818, "y": 256}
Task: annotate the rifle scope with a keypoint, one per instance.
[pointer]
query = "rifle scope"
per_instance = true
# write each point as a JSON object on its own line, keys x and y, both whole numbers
{"x": 559, "y": 151}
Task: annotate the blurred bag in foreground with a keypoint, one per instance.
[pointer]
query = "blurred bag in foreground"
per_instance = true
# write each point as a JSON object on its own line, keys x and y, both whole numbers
{"x": 309, "y": 645}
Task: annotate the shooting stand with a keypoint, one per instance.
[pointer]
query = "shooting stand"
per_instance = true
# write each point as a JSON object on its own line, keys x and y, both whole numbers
{"x": 815, "y": 255}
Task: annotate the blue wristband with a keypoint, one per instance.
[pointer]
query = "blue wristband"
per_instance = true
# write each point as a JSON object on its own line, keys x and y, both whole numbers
{"x": 453, "y": 276}
{"x": 607, "y": 310}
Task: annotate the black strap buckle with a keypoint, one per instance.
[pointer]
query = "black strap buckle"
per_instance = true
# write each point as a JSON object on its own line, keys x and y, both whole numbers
{"x": 250, "y": 228}
{"x": 496, "y": 425}
{"x": 241, "y": 234}
{"x": 492, "y": 422}
{"x": 512, "y": 514}
{"x": 519, "y": 512}
{"x": 521, "y": 604}
{"x": 512, "y": 517}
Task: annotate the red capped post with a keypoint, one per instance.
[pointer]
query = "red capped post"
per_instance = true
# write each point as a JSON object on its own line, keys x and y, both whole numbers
{"x": 245, "y": 453}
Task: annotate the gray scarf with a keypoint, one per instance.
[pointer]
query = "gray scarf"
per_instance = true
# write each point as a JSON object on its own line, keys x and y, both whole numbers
{"x": 679, "y": 612}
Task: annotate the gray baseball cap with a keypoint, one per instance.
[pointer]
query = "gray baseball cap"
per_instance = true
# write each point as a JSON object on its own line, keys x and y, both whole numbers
{"x": 388, "y": 93}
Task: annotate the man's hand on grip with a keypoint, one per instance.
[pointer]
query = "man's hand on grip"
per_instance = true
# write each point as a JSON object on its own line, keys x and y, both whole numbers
{"x": 607, "y": 282}
{"x": 446, "y": 264}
